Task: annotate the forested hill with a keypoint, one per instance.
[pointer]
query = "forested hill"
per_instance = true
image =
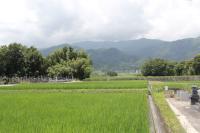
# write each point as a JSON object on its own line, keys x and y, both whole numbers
{"x": 112, "y": 59}
{"x": 133, "y": 52}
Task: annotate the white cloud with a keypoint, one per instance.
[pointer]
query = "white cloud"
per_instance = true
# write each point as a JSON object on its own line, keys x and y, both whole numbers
{"x": 44, "y": 23}
{"x": 174, "y": 19}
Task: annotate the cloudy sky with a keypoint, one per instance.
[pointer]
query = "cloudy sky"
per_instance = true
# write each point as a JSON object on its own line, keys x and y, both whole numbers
{"x": 44, "y": 23}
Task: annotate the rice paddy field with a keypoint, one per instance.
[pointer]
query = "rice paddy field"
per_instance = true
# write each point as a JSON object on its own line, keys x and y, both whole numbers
{"x": 124, "y": 84}
{"x": 64, "y": 112}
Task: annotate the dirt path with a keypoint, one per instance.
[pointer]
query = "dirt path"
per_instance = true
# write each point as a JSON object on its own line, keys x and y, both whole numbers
{"x": 188, "y": 116}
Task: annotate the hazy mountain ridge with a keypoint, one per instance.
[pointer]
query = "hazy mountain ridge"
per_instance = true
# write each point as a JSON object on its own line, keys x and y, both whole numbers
{"x": 111, "y": 59}
{"x": 132, "y": 52}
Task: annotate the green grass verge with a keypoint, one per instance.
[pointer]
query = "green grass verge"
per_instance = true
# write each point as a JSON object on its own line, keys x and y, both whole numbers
{"x": 73, "y": 113}
{"x": 120, "y": 77}
{"x": 186, "y": 85}
{"x": 131, "y": 84}
{"x": 170, "y": 119}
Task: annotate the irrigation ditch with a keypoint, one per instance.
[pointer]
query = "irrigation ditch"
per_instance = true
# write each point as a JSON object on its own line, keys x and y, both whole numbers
{"x": 157, "y": 124}
{"x": 180, "y": 103}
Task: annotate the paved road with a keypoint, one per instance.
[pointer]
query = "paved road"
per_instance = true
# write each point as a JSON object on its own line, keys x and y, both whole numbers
{"x": 189, "y": 115}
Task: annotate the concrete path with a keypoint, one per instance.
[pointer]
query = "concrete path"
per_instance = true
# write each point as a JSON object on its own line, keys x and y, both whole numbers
{"x": 189, "y": 116}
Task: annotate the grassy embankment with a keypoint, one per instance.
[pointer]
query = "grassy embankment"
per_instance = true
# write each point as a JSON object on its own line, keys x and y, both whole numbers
{"x": 168, "y": 115}
{"x": 186, "y": 85}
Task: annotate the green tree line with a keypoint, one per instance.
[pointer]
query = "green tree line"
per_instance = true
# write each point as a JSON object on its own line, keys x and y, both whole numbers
{"x": 17, "y": 60}
{"x": 161, "y": 67}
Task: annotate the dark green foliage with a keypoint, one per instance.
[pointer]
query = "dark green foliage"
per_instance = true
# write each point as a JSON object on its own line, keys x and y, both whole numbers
{"x": 3, "y": 51}
{"x": 180, "y": 68}
{"x": 67, "y": 62}
{"x": 111, "y": 73}
{"x": 158, "y": 67}
{"x": 18, "y": 60}
{"x": 15, "y": 60}
{"x": 196, "y": 64}
{"x": 35, "y": 63}
{"x": 184, "y": 68}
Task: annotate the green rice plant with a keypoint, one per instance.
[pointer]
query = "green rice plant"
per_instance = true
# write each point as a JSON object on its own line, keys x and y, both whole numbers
{"x": 129, "y": 84}
{"x": 73, "y": 113}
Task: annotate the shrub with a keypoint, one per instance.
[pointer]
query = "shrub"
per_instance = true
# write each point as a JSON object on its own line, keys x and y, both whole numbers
{"x": 111, "y": 73}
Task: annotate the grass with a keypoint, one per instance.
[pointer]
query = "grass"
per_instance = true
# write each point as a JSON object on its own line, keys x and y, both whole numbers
{"x": 73, "y": 113}
{"x": 114, "y": 78}
{"x": 170, "y": 119}
{"x": 172, "y": 123}
{"x": 186, "y": 85}
{"x": 131, "y": 84}
{"x": 129, "y": 76}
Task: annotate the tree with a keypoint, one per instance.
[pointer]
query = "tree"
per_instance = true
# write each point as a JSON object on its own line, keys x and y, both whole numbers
{"x": 81, "y": 68}
{"x": 35, "y": 63}
{"x": 18, "y": 60}
{"x": 58, "y": 70}
{"x": 68, "y": 62}
{"x": 60, "y": 55}
{"x": 170, "y": 68}
{"x": 158, "y": 67}
{"x": 188, "y": 68}
{"x": 180, "y": 69}
{"x": 3, "y": 51}
{"x": 111, "y": 73}
{"x": 196, "y": 65}
{"x": 15, "y": 60}
{"x": 184, "y": 68}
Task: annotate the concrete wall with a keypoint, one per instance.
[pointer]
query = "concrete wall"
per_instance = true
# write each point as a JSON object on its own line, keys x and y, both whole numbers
{"x": 183, "y": 95}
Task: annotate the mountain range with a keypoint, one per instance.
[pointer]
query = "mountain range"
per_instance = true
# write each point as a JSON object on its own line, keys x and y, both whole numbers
{"x": 130, "y": 54}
